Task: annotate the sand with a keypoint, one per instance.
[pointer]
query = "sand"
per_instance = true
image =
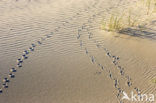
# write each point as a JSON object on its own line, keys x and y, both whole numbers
{"x": 73, "y": 60}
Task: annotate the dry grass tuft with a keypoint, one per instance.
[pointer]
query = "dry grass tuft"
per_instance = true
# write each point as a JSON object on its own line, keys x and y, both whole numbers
{"x": 126, "y": 20}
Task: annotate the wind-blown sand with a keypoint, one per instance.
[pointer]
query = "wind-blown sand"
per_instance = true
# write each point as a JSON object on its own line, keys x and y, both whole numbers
{"x": 73, "y": 61}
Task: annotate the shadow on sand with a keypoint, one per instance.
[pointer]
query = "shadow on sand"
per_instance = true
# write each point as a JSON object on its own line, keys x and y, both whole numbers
{"x": 141, "y": 31}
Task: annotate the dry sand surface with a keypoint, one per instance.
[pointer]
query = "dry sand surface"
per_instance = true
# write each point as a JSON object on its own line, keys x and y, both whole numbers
{"x": 68, "y": 58}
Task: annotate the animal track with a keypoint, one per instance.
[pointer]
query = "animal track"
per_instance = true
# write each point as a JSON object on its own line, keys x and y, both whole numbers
{"x": 115, "y": 61}
{"x": 31, "y": 49}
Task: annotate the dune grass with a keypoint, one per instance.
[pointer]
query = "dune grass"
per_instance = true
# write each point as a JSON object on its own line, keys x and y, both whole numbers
{"x": 148, "y": 4}
{"x": 151, "y": 5}
{"x": 153, "y": 80}
{"x": 115, "y": 23}
{"x": 119, "y": 22}
{"x": 154, "y": 5}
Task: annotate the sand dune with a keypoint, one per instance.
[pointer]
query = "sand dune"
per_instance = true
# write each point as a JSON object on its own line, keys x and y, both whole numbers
{"x": 55, "y": 52}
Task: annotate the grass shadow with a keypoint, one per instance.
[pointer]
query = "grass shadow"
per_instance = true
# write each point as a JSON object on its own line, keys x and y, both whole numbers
{"x": 142, "y": 32}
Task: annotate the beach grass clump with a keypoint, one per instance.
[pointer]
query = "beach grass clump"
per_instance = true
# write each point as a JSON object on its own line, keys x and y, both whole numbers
{"x": 117, "y": 23}
{"x": 154, "y": 80}
{"x": 148, "y": 4}
{"x": 113, "y": 24}
{"x": 131, "y": 20}
{"x": 151, "y": 6}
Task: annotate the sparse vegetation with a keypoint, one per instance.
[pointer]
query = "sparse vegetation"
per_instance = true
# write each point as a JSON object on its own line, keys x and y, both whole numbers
{"x": 117, "y": 22}
{"x": 151, "y": 5}
{"x": 154, "y": 80}
{"x": 148, "y": 4}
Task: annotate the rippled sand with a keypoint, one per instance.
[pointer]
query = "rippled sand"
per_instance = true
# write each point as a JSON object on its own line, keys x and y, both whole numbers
{"x": 73, "y": 60}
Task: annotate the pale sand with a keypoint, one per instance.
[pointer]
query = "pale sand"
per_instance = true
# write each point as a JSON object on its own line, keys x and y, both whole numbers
{"x": 75, "y": 63}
